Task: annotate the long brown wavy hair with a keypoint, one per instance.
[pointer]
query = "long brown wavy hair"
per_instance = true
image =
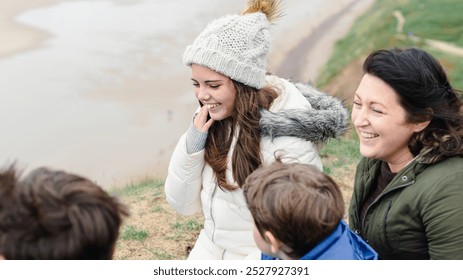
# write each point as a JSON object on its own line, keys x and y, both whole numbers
{"x": 244, "y": 124}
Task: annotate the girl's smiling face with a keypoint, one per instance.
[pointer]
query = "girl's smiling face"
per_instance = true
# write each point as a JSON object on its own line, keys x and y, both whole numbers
{"x": 380, "y": 122}
{"x": 215, "y": 91}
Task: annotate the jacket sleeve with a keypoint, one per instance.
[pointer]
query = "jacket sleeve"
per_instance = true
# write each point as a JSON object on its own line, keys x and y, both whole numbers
{"x": 442, "y": 218}
{"x": 183, "y": 182}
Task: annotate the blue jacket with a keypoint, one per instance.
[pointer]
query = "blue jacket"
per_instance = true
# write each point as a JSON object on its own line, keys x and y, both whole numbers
{"x": 342, "y": 244}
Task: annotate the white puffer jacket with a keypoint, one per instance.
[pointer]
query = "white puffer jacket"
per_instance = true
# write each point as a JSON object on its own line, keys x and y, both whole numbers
{"x": 190, "y": 185}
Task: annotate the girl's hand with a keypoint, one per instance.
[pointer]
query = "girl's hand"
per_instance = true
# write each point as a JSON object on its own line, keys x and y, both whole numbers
{"x": 201, "y": 122}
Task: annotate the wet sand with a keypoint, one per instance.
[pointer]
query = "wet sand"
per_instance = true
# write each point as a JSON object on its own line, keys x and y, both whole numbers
{"x": 20, "y": 37}
{"x": 133, "y": 137}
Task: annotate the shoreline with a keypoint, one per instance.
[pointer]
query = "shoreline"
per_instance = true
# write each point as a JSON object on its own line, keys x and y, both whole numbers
{"x": 21, "y": 37}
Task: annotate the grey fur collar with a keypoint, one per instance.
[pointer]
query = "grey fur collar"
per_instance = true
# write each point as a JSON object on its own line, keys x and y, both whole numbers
{"x": 327, "y": 119}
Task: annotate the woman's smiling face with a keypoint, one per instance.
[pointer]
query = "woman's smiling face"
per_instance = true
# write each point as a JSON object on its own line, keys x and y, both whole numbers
{"x": 380, "y": 122}
{"x": 215, "y": 91}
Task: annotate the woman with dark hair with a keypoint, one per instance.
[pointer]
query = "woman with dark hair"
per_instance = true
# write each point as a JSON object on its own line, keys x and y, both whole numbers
{"x": 408, "y": 191}
{"x": 247, "y": 117}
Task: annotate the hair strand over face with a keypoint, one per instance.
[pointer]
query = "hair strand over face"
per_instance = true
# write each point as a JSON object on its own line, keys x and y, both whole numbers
{"x": 244, "y": 122}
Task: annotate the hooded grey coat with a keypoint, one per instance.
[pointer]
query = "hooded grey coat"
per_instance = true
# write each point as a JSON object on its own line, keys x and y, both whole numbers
{"x": 297, "y": 119}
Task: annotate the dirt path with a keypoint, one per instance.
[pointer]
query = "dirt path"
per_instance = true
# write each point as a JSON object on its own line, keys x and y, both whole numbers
{"x": 304, "y": 61}
{"x": 436, "y": 44}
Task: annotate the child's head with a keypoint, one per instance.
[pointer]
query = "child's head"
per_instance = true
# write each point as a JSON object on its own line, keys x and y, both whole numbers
{"x": 56, "y": 215}
{"x": 294, "y": 206}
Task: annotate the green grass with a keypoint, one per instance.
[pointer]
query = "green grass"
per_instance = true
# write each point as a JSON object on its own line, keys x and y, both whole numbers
{"x": 137, "y": 188}
{"x": 376, "y": 29}
{"x": 340, "y": 154}
{"x": 161, "y": 255}
{"x": 153, "y": 230}
{"x": 132, "y": 233}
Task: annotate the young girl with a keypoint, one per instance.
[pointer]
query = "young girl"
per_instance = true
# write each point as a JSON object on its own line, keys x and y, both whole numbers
{"x": 246, "y": 119}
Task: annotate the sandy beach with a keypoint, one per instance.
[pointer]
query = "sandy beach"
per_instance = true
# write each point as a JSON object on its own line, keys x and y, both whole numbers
{"x": 17, "y": 37}
{"x": 114, "y": 112}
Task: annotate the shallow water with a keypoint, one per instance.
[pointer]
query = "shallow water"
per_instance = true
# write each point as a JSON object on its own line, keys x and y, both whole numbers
{"x": 107, "y": 95}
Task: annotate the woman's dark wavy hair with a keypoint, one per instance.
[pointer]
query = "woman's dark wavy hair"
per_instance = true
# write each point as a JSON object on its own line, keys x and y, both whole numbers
{"x": 425, "y": 93}
{"x": 244, "y": 123}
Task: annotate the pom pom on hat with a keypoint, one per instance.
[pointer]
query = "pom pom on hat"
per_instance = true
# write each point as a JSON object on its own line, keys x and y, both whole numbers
{"x": 237, "y": 45}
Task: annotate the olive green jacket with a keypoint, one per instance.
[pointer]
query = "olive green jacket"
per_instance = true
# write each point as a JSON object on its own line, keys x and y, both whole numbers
{"x": 419, "y": 215}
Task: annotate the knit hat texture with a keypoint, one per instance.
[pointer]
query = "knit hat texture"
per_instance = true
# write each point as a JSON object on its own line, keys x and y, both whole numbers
{"x": 235, "y": 46}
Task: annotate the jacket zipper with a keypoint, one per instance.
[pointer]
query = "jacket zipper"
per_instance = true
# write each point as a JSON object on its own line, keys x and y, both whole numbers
{"x": 362, "y": 224}
{"x": 210, "y": 211}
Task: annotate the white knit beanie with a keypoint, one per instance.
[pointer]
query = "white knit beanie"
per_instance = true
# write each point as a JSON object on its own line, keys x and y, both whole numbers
{"x": 235, "y": 46}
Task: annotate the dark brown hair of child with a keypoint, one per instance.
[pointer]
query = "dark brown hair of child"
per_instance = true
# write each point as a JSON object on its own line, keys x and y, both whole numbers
{"x": 56, "y": 215}
{"x": 297, "y": 203}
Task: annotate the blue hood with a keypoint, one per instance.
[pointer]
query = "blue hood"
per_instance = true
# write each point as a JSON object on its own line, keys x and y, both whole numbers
{"x": 342, "y": 244}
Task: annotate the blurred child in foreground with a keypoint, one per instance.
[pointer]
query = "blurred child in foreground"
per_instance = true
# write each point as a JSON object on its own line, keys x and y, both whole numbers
{"x": 56, "y": 215}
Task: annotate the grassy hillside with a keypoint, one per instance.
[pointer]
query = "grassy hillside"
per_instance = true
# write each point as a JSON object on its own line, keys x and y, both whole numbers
{"x": 380, "y": 27}
{"x": 155, "y": 231}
